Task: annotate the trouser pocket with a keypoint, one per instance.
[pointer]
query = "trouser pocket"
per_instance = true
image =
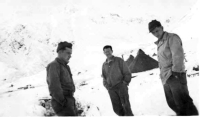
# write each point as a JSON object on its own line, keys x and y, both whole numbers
{"x": 183, "y": 79}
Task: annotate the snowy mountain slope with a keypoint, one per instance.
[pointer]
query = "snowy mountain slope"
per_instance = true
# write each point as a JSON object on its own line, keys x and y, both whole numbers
{"x": 20, "y": 98}
{"x": 189, "y": 23}
{"x": 145, "y": 91}
{"x": 30, "y": 31}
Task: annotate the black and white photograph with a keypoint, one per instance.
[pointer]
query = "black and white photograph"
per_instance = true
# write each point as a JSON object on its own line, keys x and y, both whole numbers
{"x": 99, "y": 58}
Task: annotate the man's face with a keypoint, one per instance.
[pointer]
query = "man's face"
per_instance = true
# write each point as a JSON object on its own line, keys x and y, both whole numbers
{"x": 157, "y": 32}
{"x": 108, "y": 52}
{"x": 66, "y": 54}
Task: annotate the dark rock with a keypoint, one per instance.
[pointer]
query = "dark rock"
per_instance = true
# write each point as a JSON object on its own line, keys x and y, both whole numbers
{"x": 133, "y": 76}
{"x": 46, "y": 103}
{"x": 79, "y": 73}
{"x": 83, "y": 83}
{"x": 196, "y": 68}
{"x": 154, "y": 54}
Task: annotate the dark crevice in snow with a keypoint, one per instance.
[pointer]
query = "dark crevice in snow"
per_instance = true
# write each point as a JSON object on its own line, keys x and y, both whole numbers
{"x": 83, "y": 83}
{"x": 193, "y": 75}
{"x": 46, "y": 103}
{"x": 133, "y": 76}
{"x": 19, "y": 89}
{"x": 26, "y": 87}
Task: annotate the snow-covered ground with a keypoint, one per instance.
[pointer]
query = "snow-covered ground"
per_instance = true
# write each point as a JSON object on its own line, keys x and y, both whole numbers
{"x": 29, "y": 33}
{"x": 145, "y": 90}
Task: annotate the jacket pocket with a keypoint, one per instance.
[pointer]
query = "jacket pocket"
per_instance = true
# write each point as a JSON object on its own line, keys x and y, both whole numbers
{"x": 66, "y": 76}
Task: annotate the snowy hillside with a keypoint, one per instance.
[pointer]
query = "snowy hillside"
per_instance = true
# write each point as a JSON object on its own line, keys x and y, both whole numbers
{"x": 30, "y": 31}
{"x": 145, "y": 90}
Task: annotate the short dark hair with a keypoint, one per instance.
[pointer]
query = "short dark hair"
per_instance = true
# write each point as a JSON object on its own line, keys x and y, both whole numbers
{"x": 63, "y": 45}
{"x": 107, "y": 46}
{"x": 153, "y": 24}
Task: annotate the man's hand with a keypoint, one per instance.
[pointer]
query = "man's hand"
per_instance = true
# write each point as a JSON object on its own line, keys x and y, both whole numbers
{"x": 125, "y": 83}
{"x": 176, "y": 74}
{"x": 64, "y": 103}
{"x": 106, "y": 85}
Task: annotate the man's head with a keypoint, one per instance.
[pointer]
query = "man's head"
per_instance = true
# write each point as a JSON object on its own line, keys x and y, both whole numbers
{"x": 108, "y": 51}
{"x": 64, "y": 51}
{"x": 156, "y": 28}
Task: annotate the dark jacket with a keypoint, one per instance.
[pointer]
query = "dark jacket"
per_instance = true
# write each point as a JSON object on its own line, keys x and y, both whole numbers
{"x": 59, "y": 80}
{"x": 114, "y": 72}
{"x": 170, "y": 55}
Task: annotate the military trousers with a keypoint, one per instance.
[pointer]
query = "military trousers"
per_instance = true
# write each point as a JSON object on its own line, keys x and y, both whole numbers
{"x": 120, "y": 100}
{"x": 177, "y": 96}
{"x": 69, "y": 109}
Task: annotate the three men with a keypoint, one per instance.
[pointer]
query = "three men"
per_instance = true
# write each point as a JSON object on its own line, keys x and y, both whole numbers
{"x": 172, "y": 70}
{"x": 116, "y": 77}
{"x": 60, "y": 82}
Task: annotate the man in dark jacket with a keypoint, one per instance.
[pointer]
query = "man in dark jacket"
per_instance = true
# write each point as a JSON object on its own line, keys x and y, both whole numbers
{"x": 116, "y": 77}
{"x": 172, "y": 70}
{"x": 60, "y": 82}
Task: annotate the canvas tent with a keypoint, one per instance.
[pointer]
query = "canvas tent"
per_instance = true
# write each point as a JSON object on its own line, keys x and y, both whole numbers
{"x": 130, "y": 60}
{"x": 141, "y": 62}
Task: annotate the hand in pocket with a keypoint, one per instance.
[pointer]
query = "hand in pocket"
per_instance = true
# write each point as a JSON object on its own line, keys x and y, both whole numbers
{"x": 176, "y": 74}
{"x": 183, "y": 78}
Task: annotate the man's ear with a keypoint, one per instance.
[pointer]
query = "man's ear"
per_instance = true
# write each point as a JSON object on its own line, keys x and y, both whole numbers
{"x": 112, "y": 52}
{"x": 162, "y": 28}
{"x": 60, "y": 51}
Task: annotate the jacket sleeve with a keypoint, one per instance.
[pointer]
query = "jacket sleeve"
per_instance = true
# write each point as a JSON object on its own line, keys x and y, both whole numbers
{"x": 125, "y": 71}
{"x": 177, "y": 53}
{"x": 53, "y": 80}
{"x": 104, "y": 78}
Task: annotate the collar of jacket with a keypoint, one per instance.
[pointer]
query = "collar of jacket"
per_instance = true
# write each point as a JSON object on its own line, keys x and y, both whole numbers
{"x": 163, "y": 37}
{"x": 61, "y": 61}
{"x": 112, "y": 59}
